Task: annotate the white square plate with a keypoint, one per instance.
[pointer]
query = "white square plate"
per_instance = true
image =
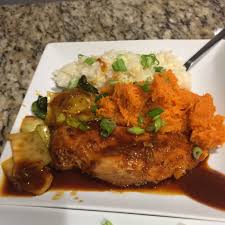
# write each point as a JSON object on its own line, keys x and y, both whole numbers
{"x": 207, "y": 76}
{"x": 43, "y": 216}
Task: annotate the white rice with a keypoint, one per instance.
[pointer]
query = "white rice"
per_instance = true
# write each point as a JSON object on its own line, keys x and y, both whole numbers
{"x": 135, "y": 71}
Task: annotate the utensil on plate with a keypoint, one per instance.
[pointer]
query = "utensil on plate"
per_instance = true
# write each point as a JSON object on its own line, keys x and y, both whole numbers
{"x": 206, "y": 47}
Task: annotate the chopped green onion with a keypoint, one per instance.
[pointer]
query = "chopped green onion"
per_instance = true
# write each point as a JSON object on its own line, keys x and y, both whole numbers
{"x": 155, "y": 112}
{"x": 72, "y": 122}
{"x": 196, "y": 152}
{"x": 106, "y": 222}
{"x": 119, "y": 65}
{"x": 60, "y": 118}
{"x": 159, "y": 69}
{"x": 156, "y": 117}
{"x": 136, "y": 130}
{"x": 148, "y": 60}
{"x": 140, "y": 120}
{"x": 75, "y": 123}
{"x": 39, "y": 107}
{"x": 158, "y": 124}
{"x": 98, "y": 97}
{"x": 72, "y": 83}
{"x": 107, "y": 126}
{"x": 90, "y": 60}
{"x": 85, "y": 85}
{"x": 83, "y": 127}
{"x": 94, "y": 108}
{"x": 145, "y": 86}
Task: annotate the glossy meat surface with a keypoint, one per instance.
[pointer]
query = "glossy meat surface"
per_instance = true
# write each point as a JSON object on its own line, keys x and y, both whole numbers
{"x": 123, "y": 159}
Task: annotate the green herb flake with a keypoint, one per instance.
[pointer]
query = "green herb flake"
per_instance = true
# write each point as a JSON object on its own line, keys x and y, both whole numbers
{"x": 83, "y": 127}
{"x": 196, "y": 152}
{"x": 119, "y": 65}
{"x": 155, "y": 112}
{"x": 72, "y": 122}
{"x": 136, "y": 130}
{"x": 106, "y": 222}
{"x": 157, "y": 124}
{"x": 94, "y": 108}
{"x": 107, "y": 126}
{"x": 148, "y": 60}
{"x": 140, "y": 121}
{"x": 145, "y": 86}
{"x": 90, "y": 60}
{"x": 72, "y": 83}
{"x": 159, "y": 69}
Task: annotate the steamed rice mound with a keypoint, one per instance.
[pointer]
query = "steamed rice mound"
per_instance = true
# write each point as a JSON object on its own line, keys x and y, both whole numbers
{"x": 100, "y": 72}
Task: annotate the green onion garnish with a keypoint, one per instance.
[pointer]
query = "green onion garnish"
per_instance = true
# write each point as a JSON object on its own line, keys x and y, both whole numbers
{"x": 83, "y": 127}
{"x": 136, "y": 130}
{"x": 119, "y": 65}
{"x": 72, "y": 83}
{"x": 107, "y": 126}
{"x": 72, "y": 122}
{"x": 196, "y": 152}
{"x": 98, "y": 97}
{"x": 159, "y": 69}
{"x": 106, "y": 222}
{"x": 155, "y": 112}
{"x": 145, "y": 86}
{"x": 158, "y": 123}
{"x": 148, "y": 60}
{"x": 156, "y": 117}
{"x": 140, "y": 120}
{"x": 94, "y": 108}
{"x": 90, "y": 60}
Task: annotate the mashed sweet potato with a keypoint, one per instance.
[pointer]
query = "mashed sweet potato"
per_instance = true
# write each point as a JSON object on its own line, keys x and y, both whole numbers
{"x": 184, "y": 111}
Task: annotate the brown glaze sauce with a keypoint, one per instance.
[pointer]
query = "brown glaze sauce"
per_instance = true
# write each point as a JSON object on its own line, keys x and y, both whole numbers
{"x": 201, "y": 184}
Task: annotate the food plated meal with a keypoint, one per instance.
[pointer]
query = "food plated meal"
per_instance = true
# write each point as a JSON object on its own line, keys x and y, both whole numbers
{"x": 132, "y": 130}
{"x": 126, "y": 133}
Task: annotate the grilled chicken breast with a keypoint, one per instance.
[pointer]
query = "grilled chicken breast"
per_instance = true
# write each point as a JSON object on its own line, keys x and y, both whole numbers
{"x": 123, "y": 159}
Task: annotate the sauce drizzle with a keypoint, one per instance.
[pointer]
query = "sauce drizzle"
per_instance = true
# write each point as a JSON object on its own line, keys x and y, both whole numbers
{"x": 202, "y": 184}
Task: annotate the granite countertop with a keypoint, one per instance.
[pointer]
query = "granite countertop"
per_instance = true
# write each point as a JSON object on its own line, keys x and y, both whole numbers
{"x": 26, "y": 29}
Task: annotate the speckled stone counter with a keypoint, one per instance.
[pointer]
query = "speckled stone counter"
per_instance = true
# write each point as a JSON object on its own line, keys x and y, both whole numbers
{"x": 26, "y": 29}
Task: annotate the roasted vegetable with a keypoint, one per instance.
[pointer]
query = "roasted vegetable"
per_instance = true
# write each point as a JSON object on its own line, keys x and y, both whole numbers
{"x": 39, "y": 107}
{"x": 28, "y": 169}
{"x": 30, "y": 123}
{"x": 7, "y": 167}
{"x": 44, "y": 133}
{"x": 83, "y": 84}
{"x": 29, "y": 147}
{"x": 75, "y": 104}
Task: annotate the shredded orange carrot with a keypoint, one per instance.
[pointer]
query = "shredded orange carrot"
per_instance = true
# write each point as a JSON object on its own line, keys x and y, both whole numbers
{"x": 184, "y": 111}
